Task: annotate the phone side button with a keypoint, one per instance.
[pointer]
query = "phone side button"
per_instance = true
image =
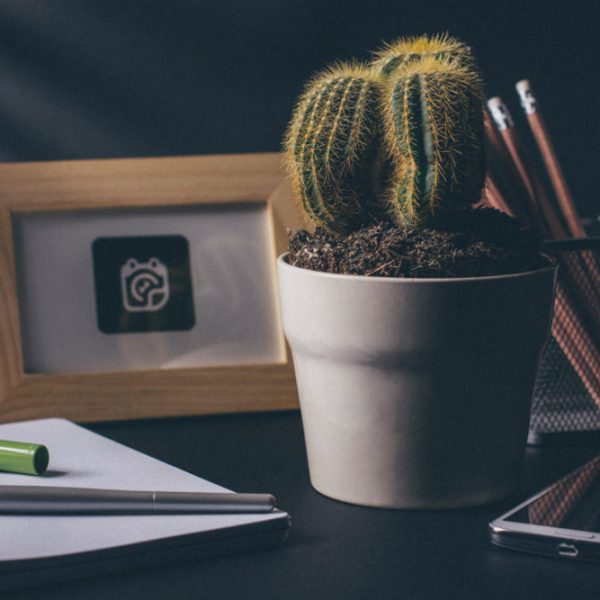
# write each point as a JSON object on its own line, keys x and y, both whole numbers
{"x": 568, "y": 550}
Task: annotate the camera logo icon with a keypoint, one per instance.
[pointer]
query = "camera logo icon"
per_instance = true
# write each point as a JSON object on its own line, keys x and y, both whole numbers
{"x": 144, "y": 285}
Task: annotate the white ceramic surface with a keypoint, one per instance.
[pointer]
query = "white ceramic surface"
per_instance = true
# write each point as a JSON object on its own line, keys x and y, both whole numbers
{"x": 415, "y": 393}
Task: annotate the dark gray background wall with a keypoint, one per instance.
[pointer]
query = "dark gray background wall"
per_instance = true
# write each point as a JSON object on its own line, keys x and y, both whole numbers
{"x": 108, "y": 78}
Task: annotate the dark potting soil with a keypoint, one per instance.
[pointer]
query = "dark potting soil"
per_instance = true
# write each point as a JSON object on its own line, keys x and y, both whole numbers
{"x": 469, "y": 243}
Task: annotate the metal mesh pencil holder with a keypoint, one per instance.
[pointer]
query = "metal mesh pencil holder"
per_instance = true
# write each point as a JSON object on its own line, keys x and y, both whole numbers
{"x": 566, "y": 398}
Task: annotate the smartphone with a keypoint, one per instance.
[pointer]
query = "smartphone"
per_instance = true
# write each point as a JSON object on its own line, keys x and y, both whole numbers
{"x": 563, "y": 520}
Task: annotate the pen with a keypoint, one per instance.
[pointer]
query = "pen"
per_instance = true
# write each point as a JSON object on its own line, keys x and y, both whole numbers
{"x": 68, "y": 500}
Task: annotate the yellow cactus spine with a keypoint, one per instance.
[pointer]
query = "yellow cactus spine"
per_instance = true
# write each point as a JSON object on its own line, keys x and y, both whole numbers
{"x": 399, "y": 140}
{"x": 404, "y": 51}
{"x": 433, "y": 115}
{"x": 333, "y": 148}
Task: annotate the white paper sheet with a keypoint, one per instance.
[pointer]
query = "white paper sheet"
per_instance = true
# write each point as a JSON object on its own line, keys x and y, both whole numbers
{"x": 80, "y": 458}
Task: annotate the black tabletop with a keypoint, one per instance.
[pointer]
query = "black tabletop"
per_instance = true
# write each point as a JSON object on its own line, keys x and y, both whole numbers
{"x": 335, "y": 550}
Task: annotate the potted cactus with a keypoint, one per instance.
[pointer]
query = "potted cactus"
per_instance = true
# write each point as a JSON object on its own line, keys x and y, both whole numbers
{"x": 415, "y": 320}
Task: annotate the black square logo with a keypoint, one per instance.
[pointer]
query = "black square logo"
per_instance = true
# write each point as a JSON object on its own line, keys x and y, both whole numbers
{"x": 143, "y": 284}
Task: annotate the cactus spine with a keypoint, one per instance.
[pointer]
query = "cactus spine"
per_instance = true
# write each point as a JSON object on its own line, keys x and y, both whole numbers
{"x": 434, "y": 133}
{"x": 400, "y": 140}
{"x": 332, "y": 148}
{"x": 407, "y": 50}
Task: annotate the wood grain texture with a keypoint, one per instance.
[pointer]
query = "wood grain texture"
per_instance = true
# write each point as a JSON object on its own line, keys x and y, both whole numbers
{"x": 139, "y": 182}
{"x": 81, "y": 185}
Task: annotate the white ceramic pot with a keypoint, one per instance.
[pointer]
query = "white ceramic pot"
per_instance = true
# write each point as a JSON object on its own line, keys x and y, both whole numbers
{"x": 415, "y": 393}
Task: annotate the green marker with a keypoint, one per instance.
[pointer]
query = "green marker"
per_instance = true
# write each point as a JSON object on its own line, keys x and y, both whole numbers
{"x": 23, "y": 457}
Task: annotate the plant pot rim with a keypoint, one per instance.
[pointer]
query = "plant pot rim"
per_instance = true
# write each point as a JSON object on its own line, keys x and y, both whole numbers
{"x": 550, "y": 266}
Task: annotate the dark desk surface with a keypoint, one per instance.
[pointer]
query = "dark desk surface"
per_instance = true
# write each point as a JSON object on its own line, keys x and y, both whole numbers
{"x": 335, "y": 550}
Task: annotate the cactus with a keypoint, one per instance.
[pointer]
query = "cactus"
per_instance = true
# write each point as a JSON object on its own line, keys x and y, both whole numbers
{"x": 407, "y": 50}
{"x": 433, "y": 114}
{"x": 401, "y": 140}
{"x": 333, "y": 145}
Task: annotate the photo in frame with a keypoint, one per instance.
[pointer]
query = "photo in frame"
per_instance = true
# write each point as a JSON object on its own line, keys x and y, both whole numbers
{"x": 136, "y": 288}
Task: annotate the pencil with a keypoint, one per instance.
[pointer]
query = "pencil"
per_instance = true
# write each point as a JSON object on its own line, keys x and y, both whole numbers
{"x": 522, "y": 164}
{"x": 579, "y": 268}
{"x": 574, "y": 304}
{"x": 544, "y": 143}
{"x": 492, "y": 196}
{"x": 576, "y": 344}
{"x": 555, "y": 174}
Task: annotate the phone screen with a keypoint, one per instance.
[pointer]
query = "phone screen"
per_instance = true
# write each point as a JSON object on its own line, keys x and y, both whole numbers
{"x": 572, "y": 503}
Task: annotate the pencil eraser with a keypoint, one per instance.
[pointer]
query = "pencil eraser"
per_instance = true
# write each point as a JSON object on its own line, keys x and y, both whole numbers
{"x": 23, "y": 457}
{"x": 528, "y": 101}
{"x": 500, "y": 113}
{"x": 523, "y": 86}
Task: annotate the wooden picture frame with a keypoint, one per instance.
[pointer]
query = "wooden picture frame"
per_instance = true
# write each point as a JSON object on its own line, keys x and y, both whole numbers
{"x": 130, "y": 183}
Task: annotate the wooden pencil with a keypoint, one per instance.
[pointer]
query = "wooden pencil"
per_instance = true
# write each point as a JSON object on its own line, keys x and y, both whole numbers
{"x": 531, "y": 182}
{"x": 576, "y": 344}
{"x": 574, "y": 305}
{"x": 492, "y": 196}
{"x": 544, "y": 143}
{"x": 578, "y": 269}
{"x": 503, "y": 180}
{"x": 555, "y": 174}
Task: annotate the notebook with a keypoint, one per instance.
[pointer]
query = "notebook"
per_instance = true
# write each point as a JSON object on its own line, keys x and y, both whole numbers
{"x": 39, "y": 548}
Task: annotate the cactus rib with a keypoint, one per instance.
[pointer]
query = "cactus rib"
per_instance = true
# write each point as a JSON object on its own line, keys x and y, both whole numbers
{"x": 432, "y": 112}
{"x": 331, "y": 143}
{"x": 399, "y": 140}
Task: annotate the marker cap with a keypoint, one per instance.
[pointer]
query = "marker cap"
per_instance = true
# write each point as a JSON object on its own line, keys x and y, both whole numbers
{"x": 22, "y": 457}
